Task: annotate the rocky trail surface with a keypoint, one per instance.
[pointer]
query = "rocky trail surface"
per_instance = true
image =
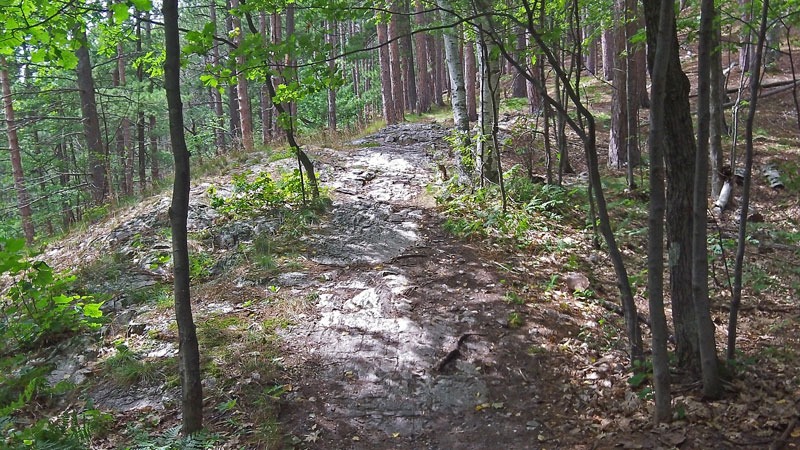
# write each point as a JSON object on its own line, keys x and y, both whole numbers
{"x": 402, "y": 338}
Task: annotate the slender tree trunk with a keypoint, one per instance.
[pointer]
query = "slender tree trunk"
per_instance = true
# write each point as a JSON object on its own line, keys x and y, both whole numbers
{"x": 233, "y": 96}
{"x": 489, "y": 65}
{"x": 386, "y": 77}
{"x": 423, "y": 80}
{"x": 458, "y": 97}
{"x": 188, "y": 351}
{"x": 91, "y": 123}
{"x": 591, "y": 54}
{"x": 717, "y": 128}
{"x": 435, "y": 56}
{"x": 331, "y": 91}
{"x": 660, "y": 51}
{"x": 679, "y": 156}
{"x": 705, "y": 327}
{"x": 154, "y": 169}
{"x": 534, "y": 99}
{"x": 23, "y": 200}
{"x": 609, "y": 53}
{"x": 128, "y": 152}
{"x": 406, "y": 51}
{"x": 142, "y": 157}
{"x": 245, "y": 116}
{"x": 394, "y": 66}
{"x": 470, "y": 81}
{"x": 519, "y": 88}
{"x": 755, "y": 83}
{"x": 216, "y": 96}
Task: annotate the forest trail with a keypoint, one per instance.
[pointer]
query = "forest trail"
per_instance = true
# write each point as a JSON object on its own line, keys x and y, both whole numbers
{"x": 391, "y": 332}
{"x": 409, "y": 345}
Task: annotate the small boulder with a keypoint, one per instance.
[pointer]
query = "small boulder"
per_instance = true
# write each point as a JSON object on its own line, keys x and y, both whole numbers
{"x": 577, "y": 282}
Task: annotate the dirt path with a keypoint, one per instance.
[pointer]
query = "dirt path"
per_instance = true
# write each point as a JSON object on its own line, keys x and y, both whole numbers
{"x": 409, "y": 346}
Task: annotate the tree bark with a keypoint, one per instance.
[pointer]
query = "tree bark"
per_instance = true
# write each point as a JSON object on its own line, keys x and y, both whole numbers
{"x": 717, "y": 128}
{"x": 519, "y": 87}
{"x": 245, "y": 115}
{"x": 331, "y": 91}
{"x": 154, "y": 169}
{"x": 489, "y": 65}
{"x": 755, "y": 81}
{"x": 423, "y": 80}
{"x": 470, "y": 81}
{"x": 712, "y": 387}
{"x": 386, "y": 76}
{"x": 458, "y": 97}
{"x": 188, "y": 351}
{"x": 128, "y": 152}
{"x": 216, "y": 96}
{"x": 91, "y": 123}
{"x": 680, "y": 161}
{"x": 142, "y": 156}
{"x": 407, "y": 54}
{"x": 660, "y": 31}
{"x": 23, "y": 200}
{"x": 395, "y": 67}
{"x": 609, "y": 53}
{"x": 435, "y": 43}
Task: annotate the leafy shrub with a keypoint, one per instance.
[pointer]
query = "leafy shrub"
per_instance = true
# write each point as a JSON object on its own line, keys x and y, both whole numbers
{"x": 263, "y": 193}
{"x": 36, "y": 308}
{"x": 200, "y": 265}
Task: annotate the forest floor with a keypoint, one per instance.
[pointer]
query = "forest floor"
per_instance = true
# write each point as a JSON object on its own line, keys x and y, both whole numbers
{"x": 375, "y": 325}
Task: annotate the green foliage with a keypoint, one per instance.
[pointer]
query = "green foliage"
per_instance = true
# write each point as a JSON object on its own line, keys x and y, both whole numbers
{"x": 72, "y": 430}
{"x": 200, "y": 264}
{"x": 251, "y": 198}
{"x": 37, "y": 308}
{"x": 171, "y": 439}
{"x": 127, "y": 368}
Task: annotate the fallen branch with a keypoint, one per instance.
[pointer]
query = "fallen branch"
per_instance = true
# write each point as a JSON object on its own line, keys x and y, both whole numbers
{"x": 454, "y": 351}
{"x": 779, "y": 443}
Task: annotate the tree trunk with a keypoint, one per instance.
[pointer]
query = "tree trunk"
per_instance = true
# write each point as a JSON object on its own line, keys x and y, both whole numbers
{"x": 91, "y": 124}
{"x": 609, "y": 53}
{"x": 188, "y": 351}
{"x": 331, "y": 91}
{"x": 407, "y": 54}
{"x": 386, "y": 76}
{"x": 233, "y": 97}
{"x": 519, "y": 88}
{"x": 423, "y": 80}
{"x": 245, "y": 116}
{"x": 534, "y": 99}
{"x": 679, "y": 157}
{"x": 458, "y": 97}
{"x": 659, "y": 49}
{"x": 394, "y": 66}
{"x": 154, "y": 169}
{"x": 142, "y": 156}
{"x": 717, "y": 115}
{"x": 23, "y": 200}
{"x": 435, "y": 57}
{"x": 470, "y": 81}
{"x": 712, "y": 388}
{"x": 755, "y": 82}
{"x": 216, "y": 96}
{"x": 489, "y": 65}
{"x": 128, "y": 152}
{"x": 591, "y": 54}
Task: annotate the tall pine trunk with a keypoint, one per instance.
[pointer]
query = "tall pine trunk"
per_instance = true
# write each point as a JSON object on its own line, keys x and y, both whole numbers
{"x": 91, "y": 123}
{"x": 394, "y": 66}
{"x": 386, "y": 76}
{"x": 23, "y": 199}
{"x": 245, "y": 115}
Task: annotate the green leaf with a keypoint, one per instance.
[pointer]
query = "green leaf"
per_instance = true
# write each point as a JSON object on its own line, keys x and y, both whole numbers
{"x": 93, "y": 310}
{"x": 142, "y": 5}
{"x": 14, "y": 245}
{"x": 121, "y": 12}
